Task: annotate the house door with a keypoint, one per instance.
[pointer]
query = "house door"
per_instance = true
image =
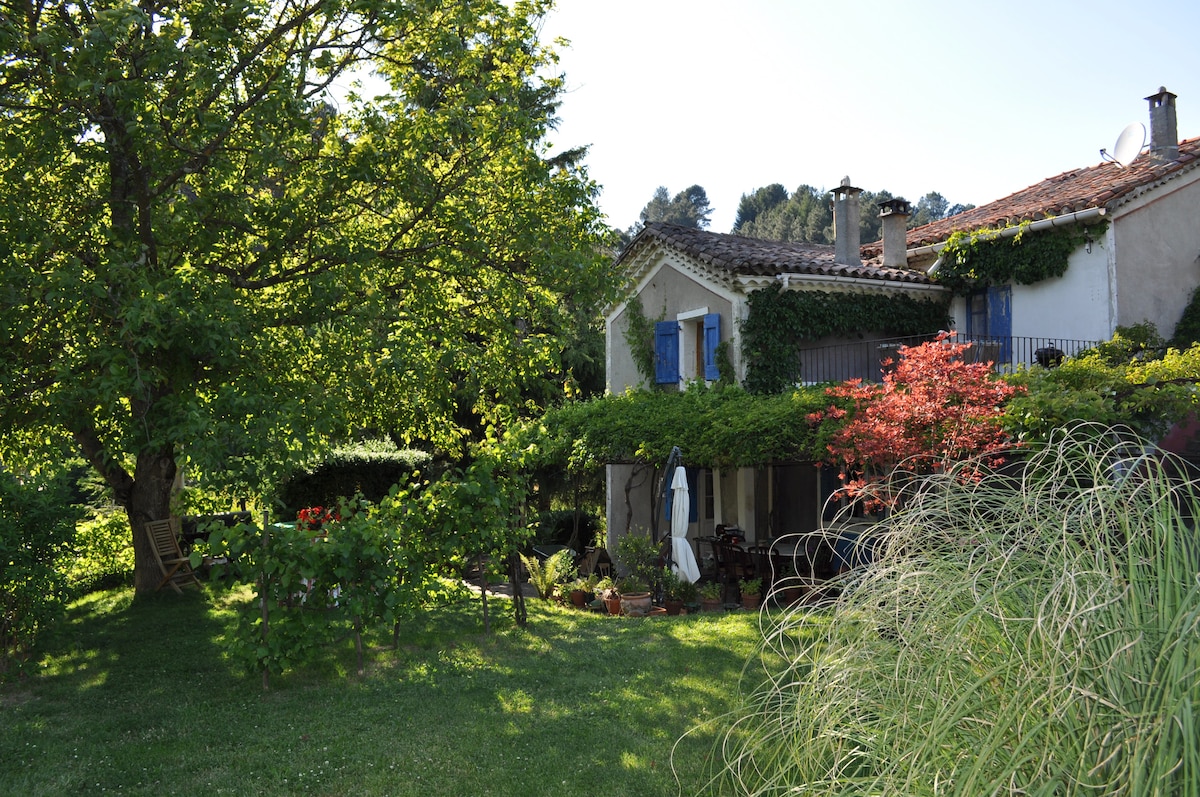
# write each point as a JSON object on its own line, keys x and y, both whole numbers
{"x": 989, "y": 317}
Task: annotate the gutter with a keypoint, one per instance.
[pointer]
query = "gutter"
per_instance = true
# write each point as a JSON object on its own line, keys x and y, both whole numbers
{"x": 1078, "y": 216}
{"x": 833, "y": 280}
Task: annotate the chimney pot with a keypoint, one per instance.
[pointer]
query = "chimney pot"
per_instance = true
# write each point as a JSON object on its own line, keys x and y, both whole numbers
{"x": 895, "y": 213}
{"x": 846, "y": 224}
{"x": 1164, "y": 128}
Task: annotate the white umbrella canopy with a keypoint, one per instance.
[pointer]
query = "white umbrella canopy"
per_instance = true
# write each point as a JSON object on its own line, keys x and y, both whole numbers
{"x": 683, "y": 561}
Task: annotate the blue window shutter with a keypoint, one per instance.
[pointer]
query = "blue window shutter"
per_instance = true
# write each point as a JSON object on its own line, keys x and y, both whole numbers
{"x": 666, "y": 352}
{"x": 712, "y": 339}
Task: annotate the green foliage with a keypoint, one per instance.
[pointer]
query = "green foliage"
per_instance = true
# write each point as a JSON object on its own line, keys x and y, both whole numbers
{"x": 546, "y": 576}
{"x": 201, "y": 255}
{"x": 1129, "y": 344}
{"x": 102, "y": 552}
{"x": 676, "y": 587}
{"x": 718, "y": 426}
{"x": 345, "y": 472}
{"x": 1107, "y": 387}
{"x": 750, "y": 586}
{"x": 37, "y": 527}
{"x": 1187, "y": 331}
{"x": 639, "y": 337}
{"x": 1035, "y": 633}
{"x": 779, "y": 322}
{"x": 641, "y": 556}
{"x": 688, "y": 208}
{"x": 976, "y": 259}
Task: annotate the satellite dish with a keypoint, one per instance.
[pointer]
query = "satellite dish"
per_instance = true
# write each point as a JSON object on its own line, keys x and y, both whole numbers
{"x": 1129, "y": 145}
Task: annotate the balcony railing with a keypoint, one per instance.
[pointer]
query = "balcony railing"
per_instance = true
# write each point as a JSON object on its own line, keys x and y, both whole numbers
{"x": 865, "y": 360}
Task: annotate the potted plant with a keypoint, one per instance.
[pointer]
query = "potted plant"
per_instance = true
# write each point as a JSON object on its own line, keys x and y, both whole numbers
{"x": 606, "y": 588}
{"x": 751, "y": 589}
{"x": 583, "y": 591}
{"x": 710, "y": 596}
{"x": 641, "y": 557}
{"x": 677, "y": 591}
{"x": 635, "y": 596}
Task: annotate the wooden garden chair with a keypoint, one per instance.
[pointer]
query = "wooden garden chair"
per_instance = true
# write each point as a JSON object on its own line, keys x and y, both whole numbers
{"x": 175, "y": 567}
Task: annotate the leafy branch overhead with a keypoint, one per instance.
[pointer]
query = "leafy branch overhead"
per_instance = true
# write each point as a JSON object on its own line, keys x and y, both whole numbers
{"x": 206, "y": 250}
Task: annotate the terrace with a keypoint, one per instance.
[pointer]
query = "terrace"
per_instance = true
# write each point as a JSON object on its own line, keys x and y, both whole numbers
{"x": 866, "y": 359}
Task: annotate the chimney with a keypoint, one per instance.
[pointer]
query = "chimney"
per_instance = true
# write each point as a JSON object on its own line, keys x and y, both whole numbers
{"x": 894, "y": 214}
{"x": 1164, "y": 131}
{"x": 845, "y": 224}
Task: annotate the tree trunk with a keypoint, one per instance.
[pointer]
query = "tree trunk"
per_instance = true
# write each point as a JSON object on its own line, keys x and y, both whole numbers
{"x": 149, "y": 499}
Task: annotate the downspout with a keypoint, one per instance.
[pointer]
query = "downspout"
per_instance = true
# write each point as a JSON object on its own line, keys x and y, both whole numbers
{"x": 1078, "y": 216}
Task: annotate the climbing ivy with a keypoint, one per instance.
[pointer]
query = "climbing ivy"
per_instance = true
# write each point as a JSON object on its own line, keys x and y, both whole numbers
{"x": 779, "y": 322}
{"x": 717, "y": 426}
{"x": 972, "y": 260}
{"x": 639, "y": 337}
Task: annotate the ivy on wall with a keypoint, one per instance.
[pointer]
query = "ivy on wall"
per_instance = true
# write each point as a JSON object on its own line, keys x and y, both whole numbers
{"x": 639, "y": 337}
{"x": 779, "y": 322}
{"x": 972, "y": 260}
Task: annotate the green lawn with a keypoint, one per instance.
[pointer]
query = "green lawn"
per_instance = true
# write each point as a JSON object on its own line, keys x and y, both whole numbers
{"x": 137, "y": 697}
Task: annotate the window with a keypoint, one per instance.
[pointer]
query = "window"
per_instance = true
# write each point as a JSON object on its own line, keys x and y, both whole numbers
{"x": 686, "y": 349}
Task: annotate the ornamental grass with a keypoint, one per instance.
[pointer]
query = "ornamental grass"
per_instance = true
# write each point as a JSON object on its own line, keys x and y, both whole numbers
{"x": 1033, "y": 633}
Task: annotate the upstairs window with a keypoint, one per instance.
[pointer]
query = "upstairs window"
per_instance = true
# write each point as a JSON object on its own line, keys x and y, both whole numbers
{"x": 686, "y": 349}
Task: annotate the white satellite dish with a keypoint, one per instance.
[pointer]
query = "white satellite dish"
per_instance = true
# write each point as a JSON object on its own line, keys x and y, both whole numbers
{"x": 1129, "y": 145}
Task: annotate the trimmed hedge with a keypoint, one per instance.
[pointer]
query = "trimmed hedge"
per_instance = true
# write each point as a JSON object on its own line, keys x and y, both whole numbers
{"x": 346, "y": 472}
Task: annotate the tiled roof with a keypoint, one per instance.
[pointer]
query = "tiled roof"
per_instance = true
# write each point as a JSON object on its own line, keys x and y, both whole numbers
{"x": 740, "y": 256}
{"x": 1104, "y": 185}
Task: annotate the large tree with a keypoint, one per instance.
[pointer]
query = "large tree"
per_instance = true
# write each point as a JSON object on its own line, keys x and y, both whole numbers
{"x": 209, "y": 255}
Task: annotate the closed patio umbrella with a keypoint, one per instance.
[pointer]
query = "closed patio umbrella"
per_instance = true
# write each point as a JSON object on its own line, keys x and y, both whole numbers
{"x": 683, "y": 561}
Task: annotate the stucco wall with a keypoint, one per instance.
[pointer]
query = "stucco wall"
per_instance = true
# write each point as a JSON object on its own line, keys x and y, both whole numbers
{"x": 665, "y": 293}
{"x": 1074, "y": 306}
{"x": 1157, "y": 243}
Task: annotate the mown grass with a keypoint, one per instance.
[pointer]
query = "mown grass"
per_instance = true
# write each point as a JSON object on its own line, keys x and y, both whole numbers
{"x": 138, "y": 697}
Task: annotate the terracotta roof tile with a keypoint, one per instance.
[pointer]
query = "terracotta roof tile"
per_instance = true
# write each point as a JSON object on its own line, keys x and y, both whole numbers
{"x": 739, "y": 256}
{"x": 1103, "y": 185}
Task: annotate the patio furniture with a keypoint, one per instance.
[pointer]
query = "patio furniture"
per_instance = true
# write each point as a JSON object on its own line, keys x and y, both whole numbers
{"x": 175, "y": 567}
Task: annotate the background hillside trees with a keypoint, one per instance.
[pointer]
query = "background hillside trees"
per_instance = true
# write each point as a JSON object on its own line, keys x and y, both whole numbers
{"x": 770, "y": 213}
{"x": 209, "y": 257}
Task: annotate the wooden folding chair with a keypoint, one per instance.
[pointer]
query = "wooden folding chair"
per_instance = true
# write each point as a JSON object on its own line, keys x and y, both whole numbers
{"x": 175, "y": 567}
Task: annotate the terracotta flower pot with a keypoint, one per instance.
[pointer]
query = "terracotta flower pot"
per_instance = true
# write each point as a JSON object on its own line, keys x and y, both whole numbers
{"x": 751, "y": 601}
{"x": 613, "y": 605}
{"x": 636, "y": 604}
{"x": 673, "y": 607}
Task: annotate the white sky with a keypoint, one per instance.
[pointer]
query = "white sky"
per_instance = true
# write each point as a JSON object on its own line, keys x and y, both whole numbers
{"x": 972, "y": 100}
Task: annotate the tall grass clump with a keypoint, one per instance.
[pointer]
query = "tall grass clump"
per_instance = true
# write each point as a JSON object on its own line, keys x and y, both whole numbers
{"x": 1035, "y": 632}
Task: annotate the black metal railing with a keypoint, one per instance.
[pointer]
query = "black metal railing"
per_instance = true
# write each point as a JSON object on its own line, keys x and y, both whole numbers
{"x": 866, "y": 359}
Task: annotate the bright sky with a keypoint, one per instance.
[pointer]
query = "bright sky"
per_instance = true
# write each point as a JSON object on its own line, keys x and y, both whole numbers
{"x": 972, "y": 100}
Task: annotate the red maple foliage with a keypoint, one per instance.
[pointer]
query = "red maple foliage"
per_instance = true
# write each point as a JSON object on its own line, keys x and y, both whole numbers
{"x": 933, "y": 409}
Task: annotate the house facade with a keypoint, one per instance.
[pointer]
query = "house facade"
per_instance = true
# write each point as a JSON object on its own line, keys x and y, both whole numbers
{"x": 1134, "y": 258}
{"x": 682, "y": 320}
{"x": 1141, "y": 263}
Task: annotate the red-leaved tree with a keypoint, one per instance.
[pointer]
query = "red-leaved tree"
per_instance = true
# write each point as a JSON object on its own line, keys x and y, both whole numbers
{"x": 934, "y": 408}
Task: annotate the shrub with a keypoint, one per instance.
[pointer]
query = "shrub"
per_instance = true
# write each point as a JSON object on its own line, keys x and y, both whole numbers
{"x": 37, "y": 524}
{"x": 102, "y": 553}
{"x": 345, "y": 473}
{"x": 1032, "y": 633}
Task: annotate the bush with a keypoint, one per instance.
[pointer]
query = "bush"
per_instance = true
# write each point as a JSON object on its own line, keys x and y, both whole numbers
{"x": 557, "y": 527}
{"x": 1032, "y": 633}
{"x": 103, "y": 552}
{"x": 37, "y": 524}
{"x": 345, "y": 473}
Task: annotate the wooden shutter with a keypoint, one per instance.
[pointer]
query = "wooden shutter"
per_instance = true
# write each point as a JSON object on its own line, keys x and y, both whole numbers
{"x": 666, "y": 353}
{"x": 712, "y": 338}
